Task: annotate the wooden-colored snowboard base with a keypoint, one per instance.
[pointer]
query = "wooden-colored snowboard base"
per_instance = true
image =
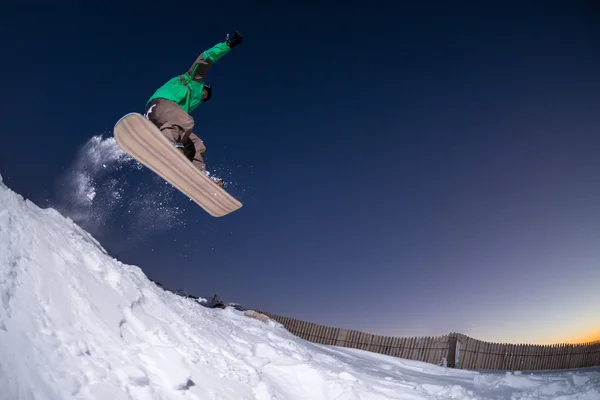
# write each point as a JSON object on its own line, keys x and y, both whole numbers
{"x": 142, "y": 140}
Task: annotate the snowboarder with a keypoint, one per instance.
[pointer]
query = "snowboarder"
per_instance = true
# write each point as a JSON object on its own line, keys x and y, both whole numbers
{"x": 170, "y": 106}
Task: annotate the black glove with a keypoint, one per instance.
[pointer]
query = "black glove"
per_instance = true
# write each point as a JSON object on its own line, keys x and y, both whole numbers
{"x": 234, "y": 40}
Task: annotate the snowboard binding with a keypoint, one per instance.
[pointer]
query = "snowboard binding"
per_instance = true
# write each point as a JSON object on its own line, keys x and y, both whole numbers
{"x": 179, "y": 146}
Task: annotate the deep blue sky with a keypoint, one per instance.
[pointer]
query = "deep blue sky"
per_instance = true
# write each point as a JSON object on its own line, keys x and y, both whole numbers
{"x": 405, "y": 169}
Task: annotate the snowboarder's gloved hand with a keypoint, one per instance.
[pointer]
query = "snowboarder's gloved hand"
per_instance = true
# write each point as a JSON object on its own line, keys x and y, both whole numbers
{"x": 233, "y": 40}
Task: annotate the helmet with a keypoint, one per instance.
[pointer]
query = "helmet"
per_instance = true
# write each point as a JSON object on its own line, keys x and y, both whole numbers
{"x": 208, "y": 93}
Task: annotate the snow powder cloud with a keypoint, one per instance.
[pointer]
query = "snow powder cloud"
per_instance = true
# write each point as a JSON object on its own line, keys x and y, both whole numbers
{"x": 97, "y": 191}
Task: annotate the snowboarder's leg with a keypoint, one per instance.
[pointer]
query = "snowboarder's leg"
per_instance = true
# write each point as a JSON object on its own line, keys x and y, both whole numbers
{"x": 194, "y": 150}
{"x": 177, "y": 126}
{"x": 172, "y": 120}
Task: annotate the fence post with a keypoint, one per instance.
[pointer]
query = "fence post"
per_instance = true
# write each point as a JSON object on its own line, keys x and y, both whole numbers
{"x": 451, "y": 356}
{"x": 341, "y": 338}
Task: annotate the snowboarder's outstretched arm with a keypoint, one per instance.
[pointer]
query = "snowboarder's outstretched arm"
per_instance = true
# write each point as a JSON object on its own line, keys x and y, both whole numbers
{"x": 208, "y": 57}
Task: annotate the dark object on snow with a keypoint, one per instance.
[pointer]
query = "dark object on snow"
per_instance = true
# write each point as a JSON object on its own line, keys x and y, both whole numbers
{"x": 236, "y": 306}
{"x": 213, "y": 302}
{"x": 184, "y": 293}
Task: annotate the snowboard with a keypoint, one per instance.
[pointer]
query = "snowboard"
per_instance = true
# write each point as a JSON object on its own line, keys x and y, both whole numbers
{"x": 143, "y": 141}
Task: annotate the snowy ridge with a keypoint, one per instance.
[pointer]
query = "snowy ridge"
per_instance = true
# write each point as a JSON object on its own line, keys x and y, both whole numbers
{"x": 77, "y": 324}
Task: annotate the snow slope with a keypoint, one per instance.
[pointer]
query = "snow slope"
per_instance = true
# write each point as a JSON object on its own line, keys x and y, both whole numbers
{"x": 78, "y": 324}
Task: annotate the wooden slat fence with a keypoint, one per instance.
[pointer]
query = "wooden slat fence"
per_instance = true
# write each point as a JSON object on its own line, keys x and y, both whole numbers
{"x": 458, "y": 350}
{"x": 476, "y": 354}
{"x": 428, "y": 349}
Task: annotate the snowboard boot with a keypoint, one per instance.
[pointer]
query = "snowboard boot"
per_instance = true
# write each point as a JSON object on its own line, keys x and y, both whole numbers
{"x": 181, "y": 148}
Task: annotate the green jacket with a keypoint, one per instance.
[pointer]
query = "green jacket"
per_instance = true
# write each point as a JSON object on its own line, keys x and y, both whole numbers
{"x": 186, "y": 89}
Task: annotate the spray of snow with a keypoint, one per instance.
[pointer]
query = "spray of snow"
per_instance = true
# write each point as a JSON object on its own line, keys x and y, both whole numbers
{"x": 230, "y": 176}
{"x": 97, "y": 190}
{"x": 77, "y": 324}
